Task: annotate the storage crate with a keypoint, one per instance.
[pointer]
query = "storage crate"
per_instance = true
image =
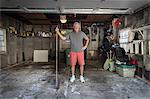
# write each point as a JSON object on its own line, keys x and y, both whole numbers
{"x": 125, "y": 70}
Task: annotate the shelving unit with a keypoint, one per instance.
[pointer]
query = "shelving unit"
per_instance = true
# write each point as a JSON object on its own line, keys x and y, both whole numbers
{"x": 145, "y": 47}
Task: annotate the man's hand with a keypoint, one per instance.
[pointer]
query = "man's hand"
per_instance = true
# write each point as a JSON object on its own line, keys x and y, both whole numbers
{"x": 83, "y": 48}
{"x": 60, "y": 35}
{"x": 57, "y": 29}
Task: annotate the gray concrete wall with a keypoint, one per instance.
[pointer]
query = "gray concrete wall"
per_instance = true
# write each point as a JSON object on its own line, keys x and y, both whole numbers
{"x": 13, "y": 43}
{"x": 0, "y": 62}
{"x": 12, "y": 48}
{"x": 3, "y": 60}
{"x": 16, "y": 46}
{"x": 37, "y": 43}
{"x": 28, "y": 48}
{"x": 14, "y": 51}
{"x": 21, "y": 49}
{"x": 147, "y": 56}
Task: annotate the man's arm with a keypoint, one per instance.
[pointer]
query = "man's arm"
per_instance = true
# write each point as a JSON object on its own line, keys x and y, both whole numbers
{"x": 87, "y": 42}
{"x": 60, "y": 35}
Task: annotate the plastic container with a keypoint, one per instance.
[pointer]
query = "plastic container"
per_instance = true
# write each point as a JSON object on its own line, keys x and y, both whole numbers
{"x": 67, "y": 51}
{"x": 111, "y": 66}
{"x": 125, "y": 70}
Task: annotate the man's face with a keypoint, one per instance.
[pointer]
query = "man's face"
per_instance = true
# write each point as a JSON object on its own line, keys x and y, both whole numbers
{"x": 76, "y": 27}
{"x": 108, "y": 34}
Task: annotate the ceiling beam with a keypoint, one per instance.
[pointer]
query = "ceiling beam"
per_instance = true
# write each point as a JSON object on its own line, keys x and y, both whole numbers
{"x": 17, "y": 17}
{"x": 69, "y": 10}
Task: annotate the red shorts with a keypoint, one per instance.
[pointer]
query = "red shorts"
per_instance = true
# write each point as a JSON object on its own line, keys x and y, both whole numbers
{"x": 77, "y": 56}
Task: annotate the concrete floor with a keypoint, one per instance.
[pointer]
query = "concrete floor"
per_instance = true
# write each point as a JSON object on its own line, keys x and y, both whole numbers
{"x": 37, "y": 82}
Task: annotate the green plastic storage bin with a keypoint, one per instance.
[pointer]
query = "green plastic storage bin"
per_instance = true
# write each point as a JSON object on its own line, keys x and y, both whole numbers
{"x": 125, "y": 70}
{"x": 125, "y": 66}
{"x": 67, "y": 51}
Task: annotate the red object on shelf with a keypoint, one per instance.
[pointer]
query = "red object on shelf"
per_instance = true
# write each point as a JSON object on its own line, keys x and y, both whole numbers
{"x": 133, "y": 62}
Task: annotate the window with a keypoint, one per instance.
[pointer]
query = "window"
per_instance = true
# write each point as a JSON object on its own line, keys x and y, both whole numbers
{"x": 2, "y": 40}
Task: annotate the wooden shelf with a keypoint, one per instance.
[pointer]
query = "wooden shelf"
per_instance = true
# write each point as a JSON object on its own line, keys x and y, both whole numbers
{"x": 141, "y": 28}
{"x": 137, "y": 41}
{"x": 36, "y": 37}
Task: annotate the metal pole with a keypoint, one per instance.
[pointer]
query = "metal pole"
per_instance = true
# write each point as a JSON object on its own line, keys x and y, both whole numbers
{"x": 56, "y": 60}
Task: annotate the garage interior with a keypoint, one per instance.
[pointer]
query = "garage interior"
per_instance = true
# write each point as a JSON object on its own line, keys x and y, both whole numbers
{"x": 35, "y": 64}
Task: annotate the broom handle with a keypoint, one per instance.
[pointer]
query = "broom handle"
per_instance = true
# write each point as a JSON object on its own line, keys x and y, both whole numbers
{"x": 56, "y": 59}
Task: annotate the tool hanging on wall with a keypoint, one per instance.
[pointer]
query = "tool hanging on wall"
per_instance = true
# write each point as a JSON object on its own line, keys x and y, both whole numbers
{"x": 12, "y": 30}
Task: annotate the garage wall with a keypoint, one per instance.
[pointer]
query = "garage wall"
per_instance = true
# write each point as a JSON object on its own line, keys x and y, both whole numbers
{"x": 37, "y": 43}
{"x": 147, "y": 57}
{"x": 20, "y": 49}
{"x": 14, "y": 43}
{"x": 139, "y": 19}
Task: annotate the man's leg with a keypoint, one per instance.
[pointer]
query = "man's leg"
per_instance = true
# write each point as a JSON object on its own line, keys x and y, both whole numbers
{"x": 80, "y": 57}
{"x": 73, "y": 61}
{"x": 73, "y": 70}
{"x": 81, "y": 69}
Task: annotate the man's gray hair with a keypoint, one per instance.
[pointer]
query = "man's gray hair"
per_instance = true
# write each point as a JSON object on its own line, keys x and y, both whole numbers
{"x": 75, "y": 23}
